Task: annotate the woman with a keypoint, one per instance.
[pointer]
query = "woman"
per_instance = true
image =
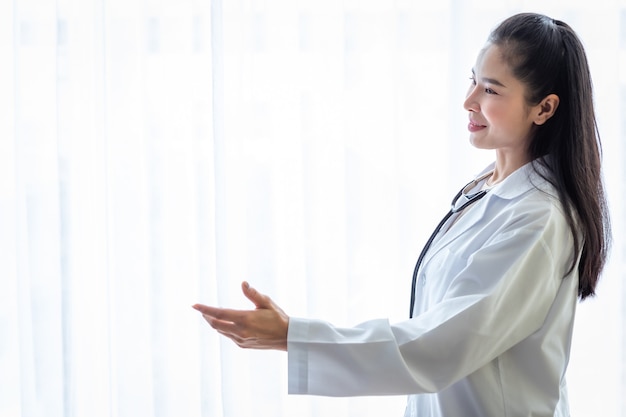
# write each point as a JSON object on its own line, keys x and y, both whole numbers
{"x": 495, "y": 288}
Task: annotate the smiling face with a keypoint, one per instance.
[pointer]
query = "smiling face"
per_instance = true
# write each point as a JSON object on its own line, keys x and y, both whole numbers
{"x": 499, "y": 116}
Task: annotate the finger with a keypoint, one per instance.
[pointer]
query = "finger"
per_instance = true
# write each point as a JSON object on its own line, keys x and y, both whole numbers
{"x": 237, "y": 335}
{"x": 200, "y": 307}
{"x": 235, "y": 338}
{"x": 226, "y": 314}
{"x": 222, "y": 326}
{"x": 246, "y": 342}
{"x": 259, "y": 300}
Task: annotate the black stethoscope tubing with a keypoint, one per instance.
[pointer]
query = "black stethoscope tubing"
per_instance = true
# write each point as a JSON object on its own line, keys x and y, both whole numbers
{"x": 471, "y": 199}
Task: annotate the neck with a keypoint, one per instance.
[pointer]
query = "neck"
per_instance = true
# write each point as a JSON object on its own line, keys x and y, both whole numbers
{"x": 505, "y": 166}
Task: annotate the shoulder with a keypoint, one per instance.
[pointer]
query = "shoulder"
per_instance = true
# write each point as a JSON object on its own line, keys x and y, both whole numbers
{"x": 526, "y": 202}
{"x": 528, "y": 190}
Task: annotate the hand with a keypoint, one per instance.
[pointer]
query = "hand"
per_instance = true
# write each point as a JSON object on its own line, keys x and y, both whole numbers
{"x": 262, "y": 328}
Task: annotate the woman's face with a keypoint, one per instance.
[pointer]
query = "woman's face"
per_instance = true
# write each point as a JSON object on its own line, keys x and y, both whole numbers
{"x": 499, "y": 116}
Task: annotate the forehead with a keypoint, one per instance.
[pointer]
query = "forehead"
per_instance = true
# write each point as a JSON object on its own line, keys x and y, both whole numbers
{"x": 490, "y": 63}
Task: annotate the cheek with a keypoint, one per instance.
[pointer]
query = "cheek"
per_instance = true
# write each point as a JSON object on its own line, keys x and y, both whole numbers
{"x": 504, "y": 118}
{"x": 494, "y": 113}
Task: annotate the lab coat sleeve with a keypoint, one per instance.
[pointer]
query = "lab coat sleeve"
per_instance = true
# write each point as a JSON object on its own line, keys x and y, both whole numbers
{"x": 500, "y": 295}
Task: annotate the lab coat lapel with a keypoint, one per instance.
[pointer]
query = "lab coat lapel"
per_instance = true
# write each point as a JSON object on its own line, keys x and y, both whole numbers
{"x": 514, "y": 185}
{"x": 469, "y": 217}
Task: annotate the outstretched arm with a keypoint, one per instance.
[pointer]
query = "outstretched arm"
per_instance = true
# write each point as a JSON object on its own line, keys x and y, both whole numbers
{"x": 262, "y": 328}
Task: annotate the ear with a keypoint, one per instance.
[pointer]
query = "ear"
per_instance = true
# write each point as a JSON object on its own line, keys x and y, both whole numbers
{"x": 546, "y": 108}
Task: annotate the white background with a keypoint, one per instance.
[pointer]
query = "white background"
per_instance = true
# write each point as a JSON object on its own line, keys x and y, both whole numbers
{"x": 154, "y": 154}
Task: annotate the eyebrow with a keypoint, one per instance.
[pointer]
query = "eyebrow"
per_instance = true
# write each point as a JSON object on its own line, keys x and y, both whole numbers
{"x": 489, "y": 80}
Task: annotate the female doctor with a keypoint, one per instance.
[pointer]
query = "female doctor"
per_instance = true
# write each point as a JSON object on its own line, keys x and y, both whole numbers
{"x": 495, "y": 289}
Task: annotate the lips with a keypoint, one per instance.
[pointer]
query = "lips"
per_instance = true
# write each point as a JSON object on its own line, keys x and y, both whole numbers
{"x": 475, "y": 127}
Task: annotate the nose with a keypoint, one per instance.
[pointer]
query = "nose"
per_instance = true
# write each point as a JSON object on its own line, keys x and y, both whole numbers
{"x": 471, "y": 102}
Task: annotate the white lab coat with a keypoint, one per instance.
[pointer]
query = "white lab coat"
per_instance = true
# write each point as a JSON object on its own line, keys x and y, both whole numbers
{"x": 493, "y": 319}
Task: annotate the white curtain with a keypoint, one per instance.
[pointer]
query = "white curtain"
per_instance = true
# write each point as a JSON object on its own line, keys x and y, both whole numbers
{"x": 156, "y": 153}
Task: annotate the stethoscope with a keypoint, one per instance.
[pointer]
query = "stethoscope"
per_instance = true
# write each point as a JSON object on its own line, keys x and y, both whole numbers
{"x": 453, "y": 209}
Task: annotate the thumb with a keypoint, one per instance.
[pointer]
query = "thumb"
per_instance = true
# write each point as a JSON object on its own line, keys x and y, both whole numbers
{"x": 259, "y": 300}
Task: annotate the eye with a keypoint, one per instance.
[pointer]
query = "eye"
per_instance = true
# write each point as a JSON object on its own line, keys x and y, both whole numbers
{"x": 490, "y": 91}
{"x": 473, "y": 80}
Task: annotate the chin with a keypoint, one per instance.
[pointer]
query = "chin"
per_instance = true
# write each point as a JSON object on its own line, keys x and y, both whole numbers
{"x": 476, "y": 143}
{"x": 480, "y": 144}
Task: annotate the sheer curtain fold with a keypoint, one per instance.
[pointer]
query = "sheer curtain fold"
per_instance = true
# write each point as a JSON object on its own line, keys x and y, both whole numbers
{"x": 10, "y": 377}
{"x": 155, "y": 154}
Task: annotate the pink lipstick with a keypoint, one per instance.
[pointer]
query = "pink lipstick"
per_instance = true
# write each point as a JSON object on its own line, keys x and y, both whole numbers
{"x": 473, "y": 127}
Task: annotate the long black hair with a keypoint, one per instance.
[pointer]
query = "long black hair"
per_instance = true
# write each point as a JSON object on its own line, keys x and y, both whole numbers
{"x": 547, "y": 56}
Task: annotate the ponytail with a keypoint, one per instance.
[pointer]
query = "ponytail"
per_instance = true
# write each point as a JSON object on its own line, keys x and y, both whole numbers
{"x": 547, "y": 56}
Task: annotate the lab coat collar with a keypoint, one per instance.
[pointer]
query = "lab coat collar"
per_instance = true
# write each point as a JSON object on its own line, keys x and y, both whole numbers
{"x": 517, "y": 183}
{"x": 521, "y": 180}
